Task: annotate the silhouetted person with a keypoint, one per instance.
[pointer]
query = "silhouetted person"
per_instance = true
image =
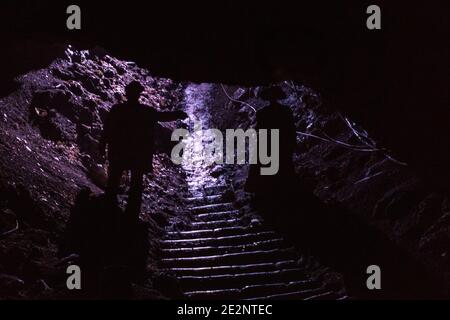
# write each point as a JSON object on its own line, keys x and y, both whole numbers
{"x": 270, "y": 189}
{"x": 278, "y": 116}
{"x": 129, "y": 134}
{"x": 111, "y": 252}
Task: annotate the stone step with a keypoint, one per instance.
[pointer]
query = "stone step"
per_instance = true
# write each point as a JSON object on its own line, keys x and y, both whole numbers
{"x": 217, "y": 250}
{"x": 256, "y": 290}
{"x": 295, "y": 295}
{"x": 208, "y": 208}
{"x": 198, "y": 225}
{"x": 328, "y": 295}
{"x": 214, "y": 216}
{"x": 217, "y": 241}
{"x": 213, "y": 233}
{"x": 229, "y": 281}
{"x": 200, "y": 200}
{"x": 210, "y": 190}
{"x": 256, "y": 256}
{"x": 234, "y": 269}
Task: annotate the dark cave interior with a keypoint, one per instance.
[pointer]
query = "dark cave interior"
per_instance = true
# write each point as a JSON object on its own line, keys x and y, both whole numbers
{"x": 392, "y": 82}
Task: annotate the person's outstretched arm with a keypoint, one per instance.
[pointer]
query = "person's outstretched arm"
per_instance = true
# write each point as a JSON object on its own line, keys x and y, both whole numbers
{"x": 170, "y": 115}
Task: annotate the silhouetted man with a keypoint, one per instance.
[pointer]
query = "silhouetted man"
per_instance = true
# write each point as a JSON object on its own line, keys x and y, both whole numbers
{"x": 129, "y": 133}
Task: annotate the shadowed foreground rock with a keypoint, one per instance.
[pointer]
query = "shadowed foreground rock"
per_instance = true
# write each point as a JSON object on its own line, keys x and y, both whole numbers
{"x": 341, "y": 240}
{"x": 110, "y": 248}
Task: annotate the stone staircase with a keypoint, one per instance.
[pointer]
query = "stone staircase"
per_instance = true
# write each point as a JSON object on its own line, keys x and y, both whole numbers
{"x": 222, "y": 254}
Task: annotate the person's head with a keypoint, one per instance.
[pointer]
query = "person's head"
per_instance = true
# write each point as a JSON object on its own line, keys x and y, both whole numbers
{"x": 272, "y": 93}
{"x": 133, "y": 90}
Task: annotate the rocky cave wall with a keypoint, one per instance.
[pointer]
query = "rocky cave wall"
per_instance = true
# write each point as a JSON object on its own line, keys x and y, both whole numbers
{"x": 342, "y": 163}
{"x": 49, "y": 132}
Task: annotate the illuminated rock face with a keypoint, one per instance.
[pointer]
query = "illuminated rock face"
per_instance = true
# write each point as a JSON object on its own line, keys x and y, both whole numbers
{"x": 343, "y": 164}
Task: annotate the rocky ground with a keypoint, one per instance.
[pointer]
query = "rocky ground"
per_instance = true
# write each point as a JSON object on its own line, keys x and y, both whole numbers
{"x": 49, "y": 132}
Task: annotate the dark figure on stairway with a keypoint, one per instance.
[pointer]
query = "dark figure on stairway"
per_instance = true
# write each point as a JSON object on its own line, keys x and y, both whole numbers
{"x": 270, "y": 189}
{"x": 129, "y": 134}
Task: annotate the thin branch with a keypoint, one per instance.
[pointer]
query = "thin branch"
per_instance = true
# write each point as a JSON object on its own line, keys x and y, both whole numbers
{"x": 351, "y": 146}
{"x": 4, "y": 234}
{"x": 343, "y": 144}
{"x": 312, "y": 136}
{"x": 372, "y": 143}
{"x": 237, "y": 101}
{"x": 369, "y": 177}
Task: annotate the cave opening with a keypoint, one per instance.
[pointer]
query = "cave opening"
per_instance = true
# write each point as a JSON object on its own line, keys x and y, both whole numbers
{"x": 309, "y": 238}
{"x": 367, "y": 190}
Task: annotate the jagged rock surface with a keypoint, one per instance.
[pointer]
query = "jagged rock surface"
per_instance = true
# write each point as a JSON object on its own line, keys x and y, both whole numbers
{"x": 342, "y": 163}
{"x": 49, "y": 132}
